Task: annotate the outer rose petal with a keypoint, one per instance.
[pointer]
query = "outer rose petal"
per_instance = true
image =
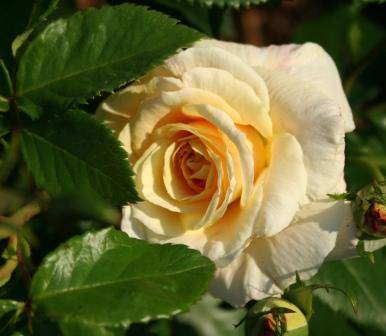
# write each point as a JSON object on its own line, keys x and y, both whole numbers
{"x": 118, "y": 108}
{"x": 317, "y": 125}
{"x": 220, "y": 59}
{"x": 307, "y": 62}
{"x": 268, "y": 265}
{"x": 236, "y": 93}
{"x": 159, "y": 220}
{"x": 347, "y": 239}
{"x": 221, "y": 242}
{"x": 285, "y": 186}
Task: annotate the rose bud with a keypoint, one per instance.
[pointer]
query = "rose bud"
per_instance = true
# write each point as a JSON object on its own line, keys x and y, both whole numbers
{"x": 370, "y": 210}
{"x": 272, "y": 316}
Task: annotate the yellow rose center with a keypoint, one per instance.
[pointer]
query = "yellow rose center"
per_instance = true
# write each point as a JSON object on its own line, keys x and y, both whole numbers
{"x": 192, "y": 166}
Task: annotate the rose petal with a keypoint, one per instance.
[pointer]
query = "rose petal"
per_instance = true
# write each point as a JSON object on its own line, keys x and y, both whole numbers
{"x": 155, "y": 218}
{"x": 315, "y": 121}
{"x": 226, "y": 125}
{"x": 118, "y": 108}
{"x": 268, "y": 265}
{"x": 226, "y": 239}
{"x": 236, "y": 93}
{"x": 149, "y": 181}
{"x": 307, "y": 62}
{"x": 242, "y": 281}
{"x": 228, "y": 185}
{"x": 284, "y": 188}
{"x": 219, "y": 59}
{"x": 165, "y": 108}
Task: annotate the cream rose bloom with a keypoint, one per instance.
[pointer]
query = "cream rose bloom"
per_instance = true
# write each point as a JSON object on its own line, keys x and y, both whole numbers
{"x": 234, "y": 150}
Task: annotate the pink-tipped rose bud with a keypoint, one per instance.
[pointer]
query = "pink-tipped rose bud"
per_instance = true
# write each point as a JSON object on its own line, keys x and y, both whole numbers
{"x": 370, "y": 210}
{"x": 375, "y": 220}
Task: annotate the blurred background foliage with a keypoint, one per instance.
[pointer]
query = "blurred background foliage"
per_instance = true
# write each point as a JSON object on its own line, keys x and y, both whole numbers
{"x": 353, "y": 32}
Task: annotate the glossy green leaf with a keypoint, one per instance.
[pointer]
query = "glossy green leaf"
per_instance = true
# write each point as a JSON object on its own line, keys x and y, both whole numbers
{"x": 107, "y": 278}
{"x": 29, "y": 107}
{"x": 71, "y": 328}
{"x": 97, "y": 50}
{"x": 361, "y": 278}
{"x": 73, "y": 151}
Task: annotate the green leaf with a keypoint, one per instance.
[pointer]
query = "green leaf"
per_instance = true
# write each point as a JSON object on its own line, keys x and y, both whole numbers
{"x": 320, "y": 323}
{"x": 71, "y": 328}
{"x": 7, "y": 306}
{"x": 29, "y": 107}
{"x": 74, "y": 152}
{"x": 107, "y": 278}
{"x": 365, "y": 280}
{"x": 74, "y": 59}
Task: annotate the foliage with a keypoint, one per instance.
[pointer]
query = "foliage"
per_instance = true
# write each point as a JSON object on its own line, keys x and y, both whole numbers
{"x": 81, "y": 280}
{"x": 62, "y": 162}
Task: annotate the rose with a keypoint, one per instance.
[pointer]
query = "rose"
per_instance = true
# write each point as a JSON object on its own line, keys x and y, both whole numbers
{"x": 234, "y": 150}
